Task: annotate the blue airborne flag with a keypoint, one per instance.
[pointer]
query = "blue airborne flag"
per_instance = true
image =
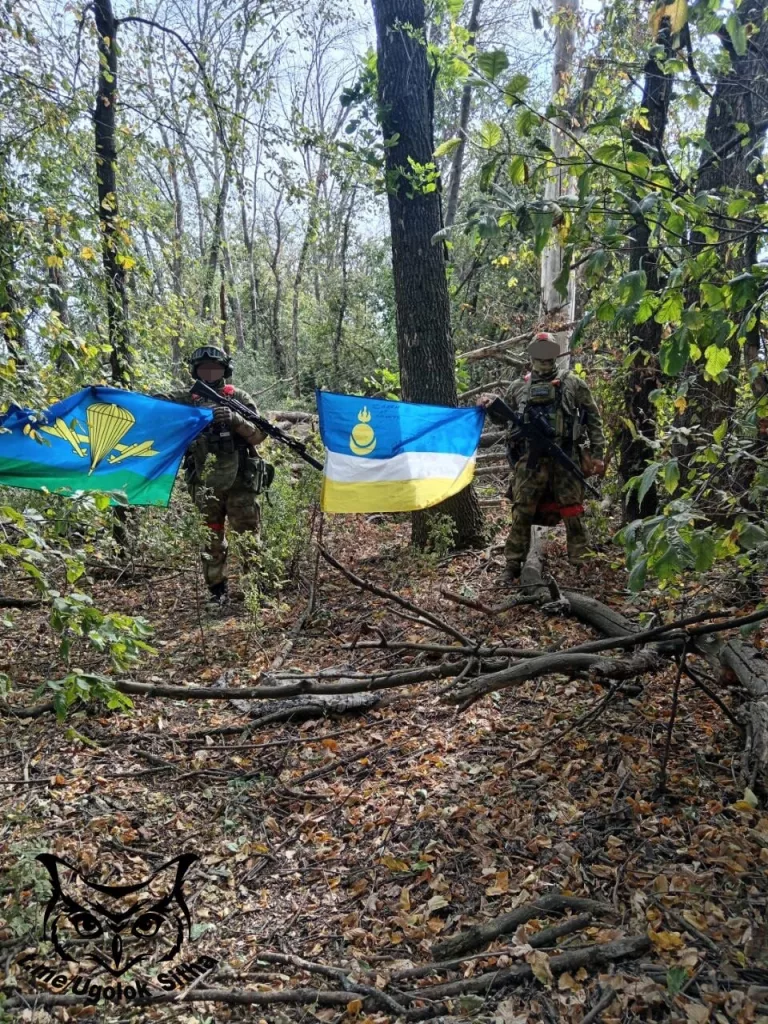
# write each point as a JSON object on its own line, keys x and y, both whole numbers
{"x": 386, "y": 456}
{"x": 100, "y": 439}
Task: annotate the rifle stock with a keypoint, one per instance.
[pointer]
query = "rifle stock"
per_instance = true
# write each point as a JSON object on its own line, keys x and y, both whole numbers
{"x": 204, "y": 390}
{"x": 541, "y": 438}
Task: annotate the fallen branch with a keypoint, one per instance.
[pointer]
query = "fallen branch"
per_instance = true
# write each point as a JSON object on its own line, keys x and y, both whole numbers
{"x": 385, "y": 1001}
{"x": 489, "y": 351}
{"x": 482, "y": 934}
{"x": 20, "y": 602}
{"x": 588, "y": 956}
{"x": 242, "y": 997}
{"x": 302, "y": 687}
{"x": 491, "y": 438}
{"x": 542, "y": 939}
{"x": 602, "y": 1004}
{"x": 560, "y": 663}
{"x": 446, "y": 627}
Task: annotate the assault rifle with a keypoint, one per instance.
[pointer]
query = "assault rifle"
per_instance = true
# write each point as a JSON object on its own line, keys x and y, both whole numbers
{"x": 206, "y": 391}
{"x": 540, "y": 436}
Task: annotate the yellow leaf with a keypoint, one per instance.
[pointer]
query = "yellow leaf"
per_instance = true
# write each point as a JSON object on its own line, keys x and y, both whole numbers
{"x": 87, "y": 253}
{"x": 330, "y": 744}
{"x": 54, "y": 261}
{"x": 539, "y": 963}
{"x": 393, "y": 863}
{"x": 354, "y": 1007}
{"x": 750, "y": 798}
{"x": 500, "y": 885}
{"x": 405, "y": 898}
{"x": 566, "y": 982}
{"x": 742, "y": 805}
{"x": 666, "y": 940}
{"x": 681, "y": 404}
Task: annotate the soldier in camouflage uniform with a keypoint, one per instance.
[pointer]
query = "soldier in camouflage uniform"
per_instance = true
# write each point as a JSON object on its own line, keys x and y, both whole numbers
{"x": 548, "y": 492}
{"x": 227, "y": 488}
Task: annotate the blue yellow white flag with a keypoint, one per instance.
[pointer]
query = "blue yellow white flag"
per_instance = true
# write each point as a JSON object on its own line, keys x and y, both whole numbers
{"x": 386, "y": 456}
{"x": 100, "y": 439}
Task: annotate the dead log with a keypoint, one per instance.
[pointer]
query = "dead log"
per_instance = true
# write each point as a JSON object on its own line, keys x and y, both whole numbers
{"x": 481, "y": 934}
{"x": 745, "y": 663}
{"x": 491, "y": 438}
{"x": 588, "y": 956}
{"x": 20, "y": 602}
{"x": 302, "y": 687}
{"x": 291, "y": 416}
{"x": 301, "y": 708}
{"x": 542, "y": 939}
{"x": 491, "y": 351}
{"x": 559, "y": 663}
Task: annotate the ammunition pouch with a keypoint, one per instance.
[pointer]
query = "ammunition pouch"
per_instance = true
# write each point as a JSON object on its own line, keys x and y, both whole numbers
{"x": 257, "y": 474}
{"x": 220, "y": 442}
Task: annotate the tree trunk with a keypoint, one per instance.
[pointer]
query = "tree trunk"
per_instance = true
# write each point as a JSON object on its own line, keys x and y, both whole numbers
{"x": 731, "y": 161}
{"x": 309, "y": 236}
{"x": 213, "y": 250}
{"x": 344, "y": 294}
{"x": 425, "y": 345}
{"x": 106, "y": 167}
{"x": 644, "y": 375}
{"x": 233, "y": 298}
{"x": 457, "y": 164}
{"x": 278, "y": 351}
{"x": 557, "y": 309}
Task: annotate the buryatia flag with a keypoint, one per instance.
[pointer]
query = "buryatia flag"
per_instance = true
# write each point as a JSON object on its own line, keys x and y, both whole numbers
{"x": 100, "y": 439}
{"x": 394, "y": 456}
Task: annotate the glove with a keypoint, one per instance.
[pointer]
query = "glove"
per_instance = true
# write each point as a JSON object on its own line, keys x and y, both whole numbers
{"x": 222, "y": 416}
{"x": 485, "y": 400}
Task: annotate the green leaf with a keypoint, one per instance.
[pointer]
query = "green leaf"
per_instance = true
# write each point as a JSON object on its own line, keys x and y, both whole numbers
{"x": 490, "y": 134}
{"x": 719, "y": 432}
{"x": 516, "y": 85}
{"x": 636, "y": 579}
{"x": 738, "y": 34}
{"x": 647, "y": 480}
{"x": 518, "y": 172}
{"x": 607, "y": 152}
{"x": 717, "y": 360}
{"x": 671, "y": 309}
{"x": 752, "y": 536}
{"x": 671, "y": 476}
{"x": 526, "y": 122}
{"x": 448, "y": 146}
{"x": 606, "y": 311}
{"x": 631, "y": 287}
{"x": 703, "y": 546}
{"x": 493, "y": 63}
{"x": 712, "y": 295}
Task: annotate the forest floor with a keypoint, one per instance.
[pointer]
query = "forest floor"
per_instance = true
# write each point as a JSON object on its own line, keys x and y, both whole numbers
{"x": 364, "y": 841}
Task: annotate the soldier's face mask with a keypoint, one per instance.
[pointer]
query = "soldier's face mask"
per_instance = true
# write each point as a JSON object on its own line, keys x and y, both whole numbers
{"x": 544, "y": 367}
{"x": 210, "y": 371}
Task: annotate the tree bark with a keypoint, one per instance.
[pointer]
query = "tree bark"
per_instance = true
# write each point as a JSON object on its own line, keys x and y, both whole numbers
{"x": 425, "y": 345}
{"x": 216, "y": 237}
{"x": 457, "y": 164}
{"x": 344, "y": 293}
{"x": 278, "y": 350}
{"x": 741, "y": 98}
{"x": 644, "y": 375}
{"x": 106, "y": 168}
{"x": 556, "y": 308}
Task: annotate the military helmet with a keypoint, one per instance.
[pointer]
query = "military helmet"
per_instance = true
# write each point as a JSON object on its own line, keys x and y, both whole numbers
{"x": 543, "y": 347}
{"x": 218, "y": 355}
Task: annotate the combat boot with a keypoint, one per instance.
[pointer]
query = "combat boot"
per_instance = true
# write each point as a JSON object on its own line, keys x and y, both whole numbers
{"x": 219, "y": 593}
{"x": 512, "y": 572}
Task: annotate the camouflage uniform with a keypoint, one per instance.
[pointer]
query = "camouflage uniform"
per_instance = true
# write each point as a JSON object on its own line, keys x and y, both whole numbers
{"x": 227, "y": 489}
{"x": 549, "y": 492}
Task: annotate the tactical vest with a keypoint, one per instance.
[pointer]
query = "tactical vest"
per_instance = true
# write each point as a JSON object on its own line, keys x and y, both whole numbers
{"x": 557, "y": 401}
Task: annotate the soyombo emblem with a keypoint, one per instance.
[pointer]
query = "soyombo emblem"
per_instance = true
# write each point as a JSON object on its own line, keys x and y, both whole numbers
{"x": 107, "y": 426}
{"x": 362, "y": 440}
